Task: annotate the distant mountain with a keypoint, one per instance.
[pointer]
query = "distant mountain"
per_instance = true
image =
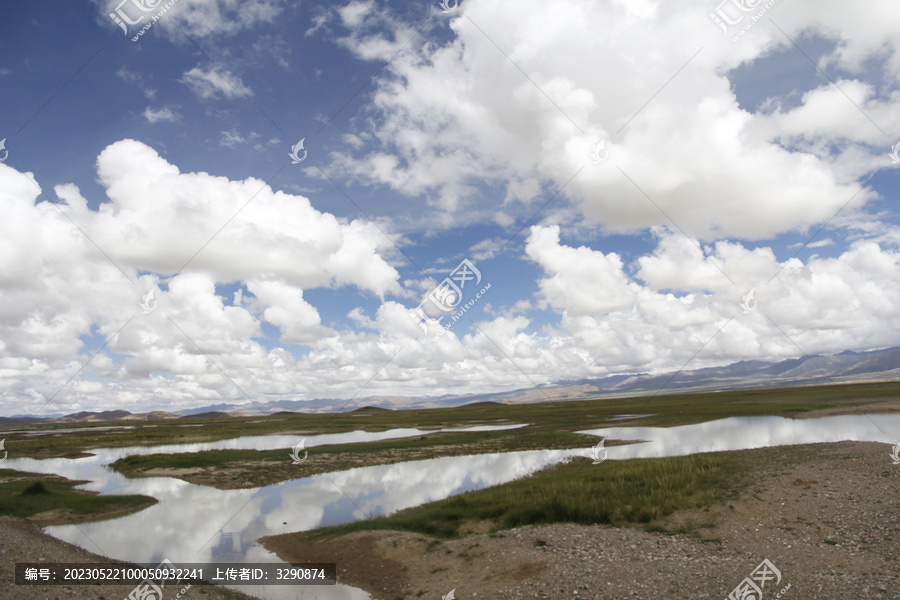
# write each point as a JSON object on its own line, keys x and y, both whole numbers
{"x": 20, "y": 420}
{"x": 87, "y": 417}
{"x": 213, "y": 414}
{"x": 846, "y": 367}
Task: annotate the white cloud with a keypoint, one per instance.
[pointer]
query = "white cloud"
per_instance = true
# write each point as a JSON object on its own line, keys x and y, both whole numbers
{"x": 196, "y": 18}
{"x": 214, "y": 83}
{"x": 614, "y": 315}
{"x": 816, "y": 244}
{"x": 584, "y": 281}
{"x": 58, "y": 290}
{"x": 231, "y": 139}
{"x": 367, "y": 24}
{"x": 457, "y": 116}
{"x": 284, "y": 307}
{"x": 821, "y": 306}
{"x": 522, "y": 191}
{"x": 485, "y": 249}
{"x": 169, "y": 216}
{"x": 163, "y": 114}
{"x": 318, "y": 21}
{"x": 136, "y": 79}
{"x": 353, "y": 14}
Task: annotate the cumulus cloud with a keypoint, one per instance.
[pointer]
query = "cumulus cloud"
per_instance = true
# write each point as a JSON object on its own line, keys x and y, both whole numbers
{"x": 583, "y": 281}
{"x": 683, "y": 299}
{"x": 669, "y": 308}
{"x": 682, "y": 150}
{"x": 180, "y": 235}
{"x": 171, "y": 218}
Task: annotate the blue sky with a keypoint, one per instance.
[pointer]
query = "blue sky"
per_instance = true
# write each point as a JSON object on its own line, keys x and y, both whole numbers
{"x": 730, "y": 164}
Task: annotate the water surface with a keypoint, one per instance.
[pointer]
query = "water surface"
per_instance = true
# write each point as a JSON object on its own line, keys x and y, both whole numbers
{"x": 744, "y": 433}
{"x": 194, "y": 523}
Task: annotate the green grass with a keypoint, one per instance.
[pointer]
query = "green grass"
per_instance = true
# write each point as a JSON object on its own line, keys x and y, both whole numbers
{"x": 29, "y": 494}
{"x": 35, "y": 489}
{"x": 637, "y": 492}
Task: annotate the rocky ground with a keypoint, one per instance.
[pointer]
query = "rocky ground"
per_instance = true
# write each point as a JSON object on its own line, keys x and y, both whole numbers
{"x": 831, "y": 527}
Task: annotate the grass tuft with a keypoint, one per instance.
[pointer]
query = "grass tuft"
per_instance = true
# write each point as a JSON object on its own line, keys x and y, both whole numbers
{"x": 35, "y": 488}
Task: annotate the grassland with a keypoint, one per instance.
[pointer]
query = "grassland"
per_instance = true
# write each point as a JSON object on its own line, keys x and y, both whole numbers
{"x": 550, "y": 426}
{"x": 53, "y": 500}
{"x": 549, "y": 418}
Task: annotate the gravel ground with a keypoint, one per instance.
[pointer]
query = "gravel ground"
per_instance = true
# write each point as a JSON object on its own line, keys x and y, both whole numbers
{"x": 832, "y": 528}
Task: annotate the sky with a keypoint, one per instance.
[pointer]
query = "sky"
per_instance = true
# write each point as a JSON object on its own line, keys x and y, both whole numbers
{"x": 223, "y": 201}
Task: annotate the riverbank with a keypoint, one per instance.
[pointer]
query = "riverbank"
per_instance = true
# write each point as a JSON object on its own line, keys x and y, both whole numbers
{"x": 826, "y": 515}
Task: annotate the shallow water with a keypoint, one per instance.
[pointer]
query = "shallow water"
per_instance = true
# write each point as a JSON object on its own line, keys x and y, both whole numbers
{"x": 193, "y": 523}
{"x": 743, "y": 433}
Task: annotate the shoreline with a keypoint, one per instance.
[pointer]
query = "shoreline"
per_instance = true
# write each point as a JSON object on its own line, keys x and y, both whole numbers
{"x": 795, "y": 515}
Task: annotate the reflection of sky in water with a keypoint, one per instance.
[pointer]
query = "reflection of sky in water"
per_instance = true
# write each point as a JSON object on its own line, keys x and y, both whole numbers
{"x": 741, "y": 433}
{"x": 193, "y": 523}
